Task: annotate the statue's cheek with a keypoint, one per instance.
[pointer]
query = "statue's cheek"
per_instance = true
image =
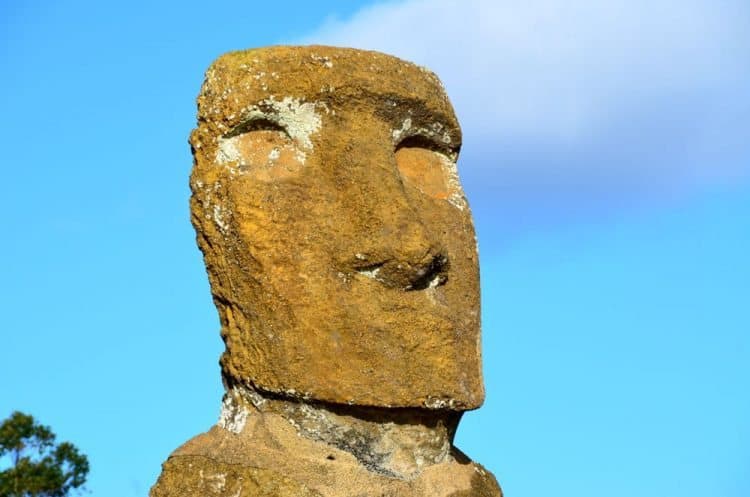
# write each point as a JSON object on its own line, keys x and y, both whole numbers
{"x": 266, "y": 155}
{"x": 431, "y": 172}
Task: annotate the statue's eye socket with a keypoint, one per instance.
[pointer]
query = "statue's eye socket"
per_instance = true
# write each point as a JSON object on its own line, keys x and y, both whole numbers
{"x": 261, "y": 124}
{"x": 262, "y": 148}
{"x": 425, "y": 167}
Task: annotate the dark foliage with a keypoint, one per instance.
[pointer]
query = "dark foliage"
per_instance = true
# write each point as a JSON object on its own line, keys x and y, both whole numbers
{"x": 38, "y": 466}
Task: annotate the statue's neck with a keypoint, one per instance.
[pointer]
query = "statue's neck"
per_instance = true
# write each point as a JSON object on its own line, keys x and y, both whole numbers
{"x": 394, "y": 442}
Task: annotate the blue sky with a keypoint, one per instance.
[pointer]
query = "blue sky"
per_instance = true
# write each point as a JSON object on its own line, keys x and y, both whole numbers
{"x": 607, "y": 161}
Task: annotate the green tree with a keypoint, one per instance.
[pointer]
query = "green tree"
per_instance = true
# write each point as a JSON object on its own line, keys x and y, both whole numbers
{"x": 33, "y": 465}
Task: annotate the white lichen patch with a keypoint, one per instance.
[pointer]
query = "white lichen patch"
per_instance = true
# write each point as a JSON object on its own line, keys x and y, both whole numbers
{"x": 218, "y": 217}
{"x": 300, "y": 156}
{"x": 399, "y": 133}
{"x": 299, "y": 120}
{"x": 439, "y": 403}
{"x": 211, "y": 201}
{"x": 253, "y": 396}
{"x": 436, "y": 131}
{"x": 456, "y": 197}
{"x": 216, "y": 482}
{"x": 434, "y": 282}
{"x": 370, "y": 273}
{"x": 479, "y": 470}
{"x": 431, "y": 292}
{"x": 325, "y": 61}
{"x": 233, "y": 414}
{"x": 227, "y": 152}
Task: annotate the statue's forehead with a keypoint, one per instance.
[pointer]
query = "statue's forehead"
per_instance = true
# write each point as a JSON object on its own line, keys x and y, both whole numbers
{"x": 331, "y": 79}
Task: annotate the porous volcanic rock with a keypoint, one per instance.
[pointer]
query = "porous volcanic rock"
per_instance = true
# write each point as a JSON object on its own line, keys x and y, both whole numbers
{"x": 265, "y": 447}
{"x": 342, "y": 260}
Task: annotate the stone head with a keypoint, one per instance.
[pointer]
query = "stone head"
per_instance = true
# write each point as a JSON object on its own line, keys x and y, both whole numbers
{"x": 338, "y": 243}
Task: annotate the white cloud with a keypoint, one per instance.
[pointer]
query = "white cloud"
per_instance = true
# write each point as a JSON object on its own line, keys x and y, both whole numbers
{"x": 562, "y": 74}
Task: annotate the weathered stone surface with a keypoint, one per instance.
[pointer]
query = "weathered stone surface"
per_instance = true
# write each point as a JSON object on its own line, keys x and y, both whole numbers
{"x": 339, "y": 245}
{"x": 277, "y": 448}
{"x": 342, "y": 261}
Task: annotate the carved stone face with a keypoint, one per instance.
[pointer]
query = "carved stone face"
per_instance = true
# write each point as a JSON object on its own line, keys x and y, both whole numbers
{"x": 338, "y": 242}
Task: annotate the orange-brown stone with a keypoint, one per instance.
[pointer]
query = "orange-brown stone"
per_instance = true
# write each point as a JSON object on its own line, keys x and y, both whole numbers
{"x": 342, "y": 260}
{"x": 276, "y": 448}
{"x": 339, "y": 245}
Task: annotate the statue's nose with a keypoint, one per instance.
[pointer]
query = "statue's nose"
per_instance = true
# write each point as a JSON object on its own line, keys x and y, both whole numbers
{"x": 393, "y": 244}
{"x": 410, "y": 259}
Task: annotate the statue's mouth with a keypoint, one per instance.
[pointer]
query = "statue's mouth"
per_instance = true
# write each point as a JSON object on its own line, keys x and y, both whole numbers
{"x": 408, "y": 276}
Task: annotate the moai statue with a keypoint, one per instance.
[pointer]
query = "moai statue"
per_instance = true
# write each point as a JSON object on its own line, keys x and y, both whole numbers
{"x": 342, "y": 261}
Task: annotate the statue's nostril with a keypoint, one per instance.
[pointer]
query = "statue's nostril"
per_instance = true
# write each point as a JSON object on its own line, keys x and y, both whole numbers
{"x": 431, "y": 275}
{"x": 408, "y": 277}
